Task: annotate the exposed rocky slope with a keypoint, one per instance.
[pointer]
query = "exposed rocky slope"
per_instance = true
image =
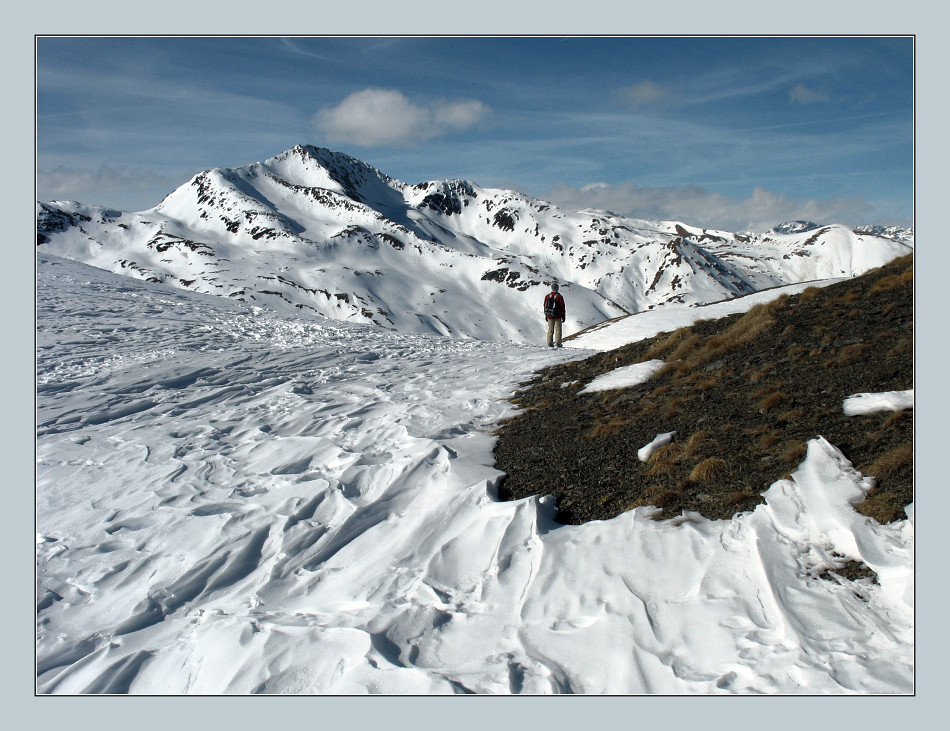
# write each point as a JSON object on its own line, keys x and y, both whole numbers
{"x": 743, "y": 394}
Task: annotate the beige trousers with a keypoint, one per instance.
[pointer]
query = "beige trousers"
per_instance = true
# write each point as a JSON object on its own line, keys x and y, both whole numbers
{"x": 554, "y": 332}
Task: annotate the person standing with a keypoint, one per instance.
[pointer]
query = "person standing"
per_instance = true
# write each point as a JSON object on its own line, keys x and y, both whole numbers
{"x": 554, "y": 313}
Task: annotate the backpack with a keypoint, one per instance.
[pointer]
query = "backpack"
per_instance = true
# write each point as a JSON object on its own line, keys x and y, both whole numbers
{"x": 551, "y": 308}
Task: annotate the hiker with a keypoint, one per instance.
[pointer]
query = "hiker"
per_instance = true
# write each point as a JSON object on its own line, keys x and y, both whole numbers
{"x": 554, "y": 314}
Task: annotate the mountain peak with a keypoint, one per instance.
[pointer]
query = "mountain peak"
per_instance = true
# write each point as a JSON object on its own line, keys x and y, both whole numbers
{"x": 318, "y": 167}
{"x": 795, "y": 227}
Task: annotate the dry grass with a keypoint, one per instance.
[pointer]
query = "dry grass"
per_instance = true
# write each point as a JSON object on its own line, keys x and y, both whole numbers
{"x": 848, "y": 354}
{"x": 673, "y": 407}
{"x": 664, "y": 459}
{"x": 663, "y": 347}
{"x": 709, "y": 469}
{"x": 607, "y": 428}
{"x": 708, "y": 383}
{"x": 740, "y": 496}
{"x": 888, "y": 464}
{"x": 696, "y": 442}
{"x": 657, "y": 495}
{"x": 794, "y": 452}
{"x": 760, "y": 374}
{"x": 892, "y": 282}
{"x": 808, "y": 294}
{"x": 846, "y": 298}
{"x": 897, "y": 419}
{"x": 775, "y": 398}
{"x": 884, "y": 507}
{"x": 791, "y": 417}
{"x": 692, "y": 351}
{"x": 753, "y": 324}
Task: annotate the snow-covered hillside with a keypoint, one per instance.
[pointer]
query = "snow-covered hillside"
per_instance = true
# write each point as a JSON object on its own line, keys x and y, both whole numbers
{"x": 235, "y": 500}
{"x": 316, "y": 231}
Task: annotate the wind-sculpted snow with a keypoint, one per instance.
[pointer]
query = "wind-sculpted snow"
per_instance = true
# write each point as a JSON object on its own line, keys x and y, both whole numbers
{"x": 231, "y": 500}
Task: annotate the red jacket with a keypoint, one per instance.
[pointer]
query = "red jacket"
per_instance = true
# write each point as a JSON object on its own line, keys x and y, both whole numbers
{"x": 559, "y": 311}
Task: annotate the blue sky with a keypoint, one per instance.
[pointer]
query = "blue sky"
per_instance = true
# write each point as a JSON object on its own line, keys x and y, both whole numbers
{"x": 727, "y": 132}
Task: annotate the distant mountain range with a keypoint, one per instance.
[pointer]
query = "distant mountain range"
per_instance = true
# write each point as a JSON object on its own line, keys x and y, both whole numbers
{"x": 312, "y": 230}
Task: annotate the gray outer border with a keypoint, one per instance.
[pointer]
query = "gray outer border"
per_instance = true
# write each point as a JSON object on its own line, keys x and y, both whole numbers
{"x": 489, "y": 17}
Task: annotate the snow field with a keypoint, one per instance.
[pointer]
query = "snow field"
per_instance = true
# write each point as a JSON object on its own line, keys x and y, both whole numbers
{"x": 234, "y": 501}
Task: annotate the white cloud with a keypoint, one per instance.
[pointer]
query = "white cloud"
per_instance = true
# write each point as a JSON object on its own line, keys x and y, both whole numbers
{"x": 698, "y": 206}
{"x": 383, "y": 117}
{"x": 801, "y": 94}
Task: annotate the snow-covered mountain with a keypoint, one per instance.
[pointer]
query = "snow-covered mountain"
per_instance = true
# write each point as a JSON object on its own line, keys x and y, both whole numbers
{"x": 311, "y": 230}
{"x": 897, "y": 233}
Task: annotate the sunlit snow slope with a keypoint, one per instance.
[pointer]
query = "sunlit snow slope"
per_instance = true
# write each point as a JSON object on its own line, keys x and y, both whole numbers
{"x": 316, "y": 231}
{"x": 232, "y": 500}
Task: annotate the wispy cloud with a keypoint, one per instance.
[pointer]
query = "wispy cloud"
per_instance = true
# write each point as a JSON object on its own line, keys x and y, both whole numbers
{"x": 801, "y": 94}
{"x": 693, "y": 204}
{"x": 384, "y": 117}
{"x": 62, "y": 183}
{"x": 645, "y": 94}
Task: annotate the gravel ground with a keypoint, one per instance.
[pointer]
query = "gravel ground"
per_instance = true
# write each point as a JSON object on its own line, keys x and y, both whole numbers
{"x": 743, "y": 394}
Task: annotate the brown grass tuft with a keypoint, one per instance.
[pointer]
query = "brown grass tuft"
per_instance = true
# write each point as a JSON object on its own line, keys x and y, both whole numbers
{"x": 776, "y": 398}
{"x": 890, "y": 462}
{"x": 709, "y": 469}
{"x": 794, "y": 452}
{"x": 888, "y": 283}
{"x": 657, "y": 495}
{"x": 673, "y": 407}
{"x": 884, "y": 507}
{"x": 699, "y": 439}
{"x": 606, "y": 428}
{"x": 897, "y": 419}
{"x": 734, "y": 498}
{"x": 846, "y": 298}
{"x": 668, "y": 344}
{"x": 848, "y": 354}
{"x": 791, "y": 417}
{"x": 808, "y": 294}
{"x": 666, "y": 452}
